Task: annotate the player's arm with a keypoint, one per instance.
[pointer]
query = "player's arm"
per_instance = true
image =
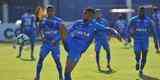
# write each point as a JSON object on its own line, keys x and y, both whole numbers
{"x": 131, "y": 28}
{"x": 103, "y": 27}
{"x": 41, "y": 30}
{"x": 63, "y": 31}
{"x": 22, "y": 25}
{"x": 152, "y": 30}
{"x": 115, "y": 32}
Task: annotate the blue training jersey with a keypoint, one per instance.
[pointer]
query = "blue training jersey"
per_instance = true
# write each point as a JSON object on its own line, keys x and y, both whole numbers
{"x": 28, "y": 25}
{"x": 121, "y": 25}
{"x": 156, "y": 19}
{"x": 50, "y": 29}
{"x": 81, "y": 34}
{"x": 140, "y": 29}
{"x": 102, "y": 34}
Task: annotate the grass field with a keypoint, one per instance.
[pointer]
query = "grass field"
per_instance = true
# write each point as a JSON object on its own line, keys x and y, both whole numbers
{"x": 123, "y": 62}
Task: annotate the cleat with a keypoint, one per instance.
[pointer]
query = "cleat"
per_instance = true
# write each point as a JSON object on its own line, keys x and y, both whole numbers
{"x": 137, "y": 67}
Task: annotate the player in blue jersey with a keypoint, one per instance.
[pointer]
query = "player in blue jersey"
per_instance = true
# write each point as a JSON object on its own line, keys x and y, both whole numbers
{"x": 121, "y": 25}
{"x": 140, "y": 28}
{"x": 28, "y": 28}
{"x": 80, "y": 35}
{"x": 51, "y": 31}
{"x": 156, "y": 19}
{"x": 102, "y": 40}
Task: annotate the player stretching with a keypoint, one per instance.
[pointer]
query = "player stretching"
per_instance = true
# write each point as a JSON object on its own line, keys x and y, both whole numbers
{"x": 140, "y": 28}
{"x": 50, "y": 29}
{"x": 101, "y": 40}
{"x": 80, "y": 36}
{"x": 28, "y": 28}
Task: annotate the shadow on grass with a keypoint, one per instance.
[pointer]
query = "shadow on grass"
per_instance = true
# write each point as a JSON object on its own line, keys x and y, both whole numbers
{"x": 107, "y": 71}
{"x": 23, "y": 59}
{"x": 147, "y": 77}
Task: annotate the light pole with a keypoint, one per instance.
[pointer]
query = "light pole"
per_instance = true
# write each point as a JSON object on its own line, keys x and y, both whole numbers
{"x": 45, "y": 3}
{"x": 129, "y": 6}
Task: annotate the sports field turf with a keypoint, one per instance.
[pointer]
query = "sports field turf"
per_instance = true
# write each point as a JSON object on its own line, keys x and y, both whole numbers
{"x": 123, "y": 62}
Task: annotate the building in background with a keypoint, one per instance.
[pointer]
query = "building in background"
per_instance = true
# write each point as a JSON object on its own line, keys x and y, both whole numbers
{"x": 69, "y": 10}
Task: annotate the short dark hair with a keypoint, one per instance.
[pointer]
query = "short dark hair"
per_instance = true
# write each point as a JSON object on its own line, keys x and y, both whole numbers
{"x": 90, "y": 10}
{"x": 155, "y": 9}
{"x": 141, "y": 8}
{"x": 51, "y": 7}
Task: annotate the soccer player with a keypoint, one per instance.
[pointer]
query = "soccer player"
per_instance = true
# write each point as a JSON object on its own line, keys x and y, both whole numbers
{"x": 80, "y": 35}
{"x": 156, "y": 19}
{"x": 51, "y": 30}
{"x": 140, "y": 28}
{"x": 121, "y": 25}
{"x": 28, "y": 27}
{"x": 101, "y": 40}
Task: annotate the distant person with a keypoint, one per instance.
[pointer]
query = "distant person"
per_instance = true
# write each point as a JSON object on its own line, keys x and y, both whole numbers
{"x": 28, "y": 27}
{"x": 121, "y": 25}
{"x": 102, "y": 40}
{"x": 156, "y": 19}
{"x": 140, "y": 27}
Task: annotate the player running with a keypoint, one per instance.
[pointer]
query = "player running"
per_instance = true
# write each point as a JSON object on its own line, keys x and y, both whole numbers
{"x": 28, "y": 28}
{"x": 102, "y": 40}
{"x": 80, "y": 35}
{"x": 156, "y": 19}
{"x": 50, "y": 29}
{"x": 140, "y": 28}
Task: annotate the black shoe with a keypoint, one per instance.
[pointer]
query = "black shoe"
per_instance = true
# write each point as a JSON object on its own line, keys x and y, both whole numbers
{"x": 137, "y": 67}
{"x": 141, "y": 73}
{"x": 158, "y": 51}
{"x": 99, "y": 68}
{"x": 18, "y": 56}
{"x": 36, "y": 78}
{"x": 109, "y": 68}
{"x": 32, "y": 58}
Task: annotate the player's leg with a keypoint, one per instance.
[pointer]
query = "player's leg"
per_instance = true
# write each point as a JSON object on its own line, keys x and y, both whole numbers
{"x": 144, "y": 55}
{"x": 43, "y": 53}
{"x": 108, "y": 54}
{"x": 20, "y": 50}
{"x": 156, "y": 46}
{"x": 32, "y": 41}
{"x": 71, "y": 63}
{"x": 97, "y": 50}
{"x": 137, "y": 51}
{"x": 56, "y": 57}
{"x": 143, "y": 60}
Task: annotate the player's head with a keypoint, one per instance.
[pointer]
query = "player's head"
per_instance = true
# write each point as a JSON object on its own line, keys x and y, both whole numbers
{"x": 98, "y": 13}
{"x": 88, "y": 14}
{"x": 155, "y": 9}
{"x": 141, "y": 12}
{"x": 51, "y": 11}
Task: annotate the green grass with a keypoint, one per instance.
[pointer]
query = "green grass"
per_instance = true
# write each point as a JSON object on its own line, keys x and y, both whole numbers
{"x": 123, "y": 62}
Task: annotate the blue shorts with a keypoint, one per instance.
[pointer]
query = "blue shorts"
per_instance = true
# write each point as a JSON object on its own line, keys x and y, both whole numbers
{"x": 101, "y": 43}
{"x": 74, "y": 53}
{"x": 32, "y": 37}
{"x": 46, "y": 48}
{"x": 141, "y": 45}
